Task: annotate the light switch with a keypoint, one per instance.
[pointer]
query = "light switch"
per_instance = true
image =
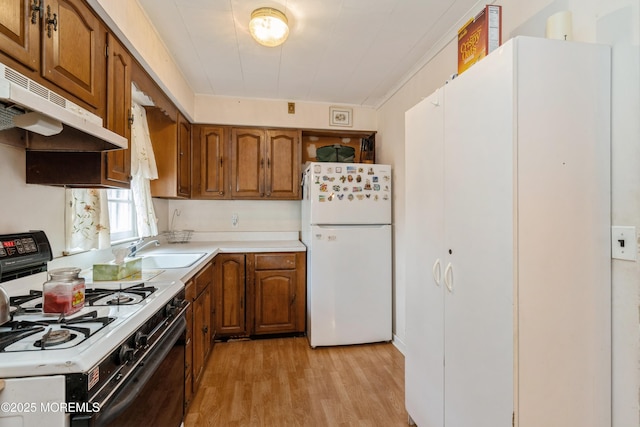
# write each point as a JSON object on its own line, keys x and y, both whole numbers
{"x": 624, "y": 244}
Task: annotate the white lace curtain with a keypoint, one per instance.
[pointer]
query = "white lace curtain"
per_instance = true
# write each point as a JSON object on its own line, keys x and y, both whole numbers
{"x": 87, "y": 220}
{"x": 143, "y": 169}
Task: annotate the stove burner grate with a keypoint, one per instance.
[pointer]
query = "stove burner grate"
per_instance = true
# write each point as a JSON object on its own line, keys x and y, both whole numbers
{"x": 119, "y": 299}
{"x": 21, "y": 299}
{"x": 16, "y": 303}
{"x": 18, "y": 332}
{"x": 53, "y": 338}
{"x": 137, "y": 292}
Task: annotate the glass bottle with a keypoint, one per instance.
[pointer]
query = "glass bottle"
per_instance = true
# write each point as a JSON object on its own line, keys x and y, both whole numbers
{"x": 63, "y": 293}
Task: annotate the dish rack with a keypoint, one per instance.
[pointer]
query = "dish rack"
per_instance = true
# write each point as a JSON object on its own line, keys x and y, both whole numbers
{"x": 177, "y": 236}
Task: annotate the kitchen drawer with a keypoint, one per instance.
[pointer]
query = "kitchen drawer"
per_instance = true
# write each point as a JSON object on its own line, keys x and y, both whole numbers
{"x": 270, "y": 261}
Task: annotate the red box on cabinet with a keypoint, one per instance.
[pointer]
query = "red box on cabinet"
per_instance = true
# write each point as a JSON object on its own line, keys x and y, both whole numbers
{"x": 481, "y": 35}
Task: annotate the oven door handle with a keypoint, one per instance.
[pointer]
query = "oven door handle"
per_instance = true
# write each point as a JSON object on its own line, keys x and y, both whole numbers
{"x": 131, "y": 388}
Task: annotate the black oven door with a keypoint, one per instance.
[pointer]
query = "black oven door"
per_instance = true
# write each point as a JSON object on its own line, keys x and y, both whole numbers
{"x": 154, "y": 394}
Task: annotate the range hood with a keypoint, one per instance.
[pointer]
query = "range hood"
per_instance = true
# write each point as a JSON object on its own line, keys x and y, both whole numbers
{"x": 55, "y": 123}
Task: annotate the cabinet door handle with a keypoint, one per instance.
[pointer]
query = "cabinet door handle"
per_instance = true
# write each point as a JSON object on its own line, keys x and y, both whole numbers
{"x": 448, "y": 277}
{"x": 36, "y": 8}
{"x": 437, "y": 272}
{"x": 293, "y": 299}
{"x": 51, "y": 22}
{"x": 205, "y": 329}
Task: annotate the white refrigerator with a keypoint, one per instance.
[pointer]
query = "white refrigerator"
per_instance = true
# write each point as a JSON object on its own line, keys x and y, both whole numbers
{"x": 346, "y": 227}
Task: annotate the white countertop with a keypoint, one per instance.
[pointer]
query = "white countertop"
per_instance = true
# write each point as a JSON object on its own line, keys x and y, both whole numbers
{"x": 212, "y": 249}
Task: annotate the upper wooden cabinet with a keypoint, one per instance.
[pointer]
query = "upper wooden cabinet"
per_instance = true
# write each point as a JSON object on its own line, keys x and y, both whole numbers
{"x": 57, "y": 41}
{"x": 119, "y": 62}
{"x": 74, "y": 49}
{"x": 20, "y": 32}
{"x": 184, "y": 157}
{"x": 265, "y": 163}
{"x": 210, "y": 159}
{"x": 171, "y": 142}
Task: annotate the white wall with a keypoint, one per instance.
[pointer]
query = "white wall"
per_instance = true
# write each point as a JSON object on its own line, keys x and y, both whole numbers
{"x": 26, "y": 206}
{"x": 602, "y": 21}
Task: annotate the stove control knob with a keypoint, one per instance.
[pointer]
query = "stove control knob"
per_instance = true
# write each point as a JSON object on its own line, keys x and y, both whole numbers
{"x": 169, "y": 310}
{"x": 125, "y": 354}
{"x": 141, "y": 339}
{"x": 172, "y": 308}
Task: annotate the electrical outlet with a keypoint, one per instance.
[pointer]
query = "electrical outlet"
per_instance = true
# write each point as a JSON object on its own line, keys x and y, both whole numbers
{"x": 624, "y": 244}
{"x": 234, "y": 220}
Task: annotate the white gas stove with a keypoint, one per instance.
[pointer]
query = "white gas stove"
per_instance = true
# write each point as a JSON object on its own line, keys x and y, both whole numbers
{"x": 89, "y": 362}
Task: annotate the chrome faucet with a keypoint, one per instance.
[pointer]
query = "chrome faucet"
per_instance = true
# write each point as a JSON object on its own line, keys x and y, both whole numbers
{"x": 139, "y": 245}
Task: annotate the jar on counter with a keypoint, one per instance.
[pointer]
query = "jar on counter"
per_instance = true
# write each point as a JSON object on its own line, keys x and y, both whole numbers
{"x": 63, "y": 293}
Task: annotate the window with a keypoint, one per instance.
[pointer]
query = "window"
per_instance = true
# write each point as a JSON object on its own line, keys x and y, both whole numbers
{"x": 122, "y": 215}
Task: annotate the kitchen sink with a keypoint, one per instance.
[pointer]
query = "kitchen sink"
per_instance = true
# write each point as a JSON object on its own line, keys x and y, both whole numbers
{"x": 170, "y": 260}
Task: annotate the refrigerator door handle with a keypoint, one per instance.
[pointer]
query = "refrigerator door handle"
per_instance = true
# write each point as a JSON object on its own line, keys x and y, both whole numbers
{"x": 448, "y": 277}
{"x": 437, "y": 272}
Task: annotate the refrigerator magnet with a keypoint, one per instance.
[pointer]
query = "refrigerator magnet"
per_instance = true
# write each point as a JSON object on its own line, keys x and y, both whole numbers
{"x": 330, "y": 198}
{"x": 374, "y": 178}
{"x": 358, "y": 178}
{"x": 340, "y": 196}
{"x": 338, "y": 169}
{"x": 367, "y": 185}
{"x": 324, "y": 188}
{"x": 350, "y": 178}
{"x": 329, "y": 170}
{"x": 317, "y": 168}
{"x": 322, "y": 198}
{"x": 351, "y": 169}
{"x": 370, "y": 171}
{"x": 343, "y": 179}
{"x": 336, "y": 188}
{"x": 360, "y": 196}
{"x": 376, "y": 187}
{"x": 350, "y": 197}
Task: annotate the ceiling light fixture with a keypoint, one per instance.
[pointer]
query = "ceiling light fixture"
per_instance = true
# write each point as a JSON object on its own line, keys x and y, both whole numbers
{"x": 268, "y": 26}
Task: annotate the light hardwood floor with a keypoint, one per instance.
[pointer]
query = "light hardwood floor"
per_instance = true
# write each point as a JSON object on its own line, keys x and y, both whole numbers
{"x": 283, "y": 382}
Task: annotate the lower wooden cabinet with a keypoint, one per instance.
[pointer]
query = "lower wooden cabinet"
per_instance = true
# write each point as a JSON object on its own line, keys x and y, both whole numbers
{"x": 279, "y": 293}
{"x": 229, "y": 295}
{"x": 198, "y": 342}
{"x": 201, "y": 322}
{"x": 259, "y": 294}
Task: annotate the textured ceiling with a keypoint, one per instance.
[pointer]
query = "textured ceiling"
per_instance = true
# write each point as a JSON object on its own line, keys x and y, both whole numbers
{"x": 339, "y": 51}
